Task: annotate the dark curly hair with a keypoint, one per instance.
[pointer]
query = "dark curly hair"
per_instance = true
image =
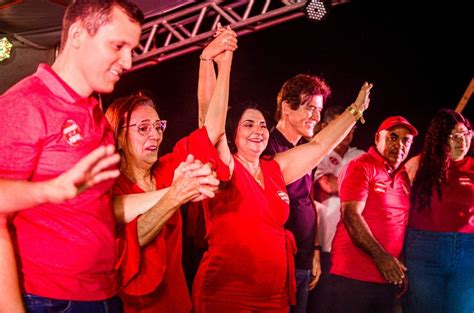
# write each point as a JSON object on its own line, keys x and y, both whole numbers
{"x": 435, "y": 158}
{"x": 300, "y": 88}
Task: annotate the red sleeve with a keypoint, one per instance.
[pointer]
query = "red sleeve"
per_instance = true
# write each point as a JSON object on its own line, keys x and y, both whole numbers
{"x": 140, "y": 269}
{"x": 353, "y": 182}
{"x": 199, "y": 145}
{"x": 22, "y": 127}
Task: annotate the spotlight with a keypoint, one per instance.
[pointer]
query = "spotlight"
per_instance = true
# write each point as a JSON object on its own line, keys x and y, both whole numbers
{"x": 5, "y": 49}
{"x": 317, "y": 10}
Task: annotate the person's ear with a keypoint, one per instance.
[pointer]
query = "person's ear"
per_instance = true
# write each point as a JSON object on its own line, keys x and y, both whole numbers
{"x": 285, "y": 107}
{"x": 76, "y": 33}
{"x": 377, "y": 138}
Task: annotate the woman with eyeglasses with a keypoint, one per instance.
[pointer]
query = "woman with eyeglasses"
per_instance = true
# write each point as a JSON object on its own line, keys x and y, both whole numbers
{"x": 439, "y": 243}
{"x": 150, "y": 244}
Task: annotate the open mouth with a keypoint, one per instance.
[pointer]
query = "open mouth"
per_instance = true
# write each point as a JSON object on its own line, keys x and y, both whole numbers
{"x": 152, "y": 148}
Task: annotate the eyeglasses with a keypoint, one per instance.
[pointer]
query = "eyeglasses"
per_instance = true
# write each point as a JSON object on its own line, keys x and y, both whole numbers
{"x": 144, "y": 128}
{"x": 461, "y": 135}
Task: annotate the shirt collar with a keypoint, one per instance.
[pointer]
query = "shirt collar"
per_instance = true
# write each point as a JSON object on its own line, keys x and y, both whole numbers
{"x": 282, "y": 139}
{"x": 382, "y": 161}
{"x": 61, "y": 89}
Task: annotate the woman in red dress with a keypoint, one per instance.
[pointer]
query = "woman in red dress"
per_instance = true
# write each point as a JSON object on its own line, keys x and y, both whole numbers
{"x": 150, "y": 243}
{"x": 250, "y": 255}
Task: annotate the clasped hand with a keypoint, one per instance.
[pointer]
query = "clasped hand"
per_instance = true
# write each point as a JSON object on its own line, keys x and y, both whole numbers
{"x": 194, "y": 181}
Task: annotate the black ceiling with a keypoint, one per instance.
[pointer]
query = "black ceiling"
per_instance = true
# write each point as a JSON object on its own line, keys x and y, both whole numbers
{"x": 37, "y": 23}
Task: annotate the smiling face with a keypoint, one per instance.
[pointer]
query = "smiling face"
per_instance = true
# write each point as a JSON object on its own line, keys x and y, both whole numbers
{"x": 141, "y": 148}
{"x": 304, "y": 118}
{"x": 104, "y": 56}
{"x": 394, "y": 144}
{"x": 252, "y": 134}
{"x": 459, "y": 142}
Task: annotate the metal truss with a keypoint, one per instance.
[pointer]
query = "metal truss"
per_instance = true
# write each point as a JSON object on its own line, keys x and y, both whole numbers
{"x": 182, "y": 32}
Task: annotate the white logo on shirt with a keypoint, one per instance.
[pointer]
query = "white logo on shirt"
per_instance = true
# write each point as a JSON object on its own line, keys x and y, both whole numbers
{"x": 72, "y": 133}
{"x": 465, "y": 181}
{"x": 380, "y": 187}
{"x": 283, "y": 196}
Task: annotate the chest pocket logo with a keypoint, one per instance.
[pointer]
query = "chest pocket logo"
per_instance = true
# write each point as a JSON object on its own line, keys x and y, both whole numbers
{"x": 465, "y": 181}
{"x": 333, "y": 160}
{"x": 283, "y": 196}
{"x": 72, "y": 133}
{"x": 380, "y": 187}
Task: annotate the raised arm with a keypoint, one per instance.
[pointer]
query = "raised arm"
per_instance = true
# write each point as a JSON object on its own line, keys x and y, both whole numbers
{"x": 207, "y": 73}
{"x": 300, "y": 160}
{"x": 213, "y": 94}
{"x": 208, "y": 98}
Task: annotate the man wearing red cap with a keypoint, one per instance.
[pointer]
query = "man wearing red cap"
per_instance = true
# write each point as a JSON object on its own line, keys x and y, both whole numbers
{"x": 375, "y": 199}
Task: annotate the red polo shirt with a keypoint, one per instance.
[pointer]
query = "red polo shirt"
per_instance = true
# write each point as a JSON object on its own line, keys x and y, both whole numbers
{"x": 371, "y": 179}
{"x": 65, "y": 251}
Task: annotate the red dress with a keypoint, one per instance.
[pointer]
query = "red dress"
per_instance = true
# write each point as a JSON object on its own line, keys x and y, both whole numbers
{"x": 247, "y": 265}
{"x": 151, "y": 277}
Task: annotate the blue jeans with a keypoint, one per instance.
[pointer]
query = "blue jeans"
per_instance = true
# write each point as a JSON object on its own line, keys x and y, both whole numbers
{"x": 303, "y": 277}
{"x": 440, "y": 272}
{"x": 37, "y": 304}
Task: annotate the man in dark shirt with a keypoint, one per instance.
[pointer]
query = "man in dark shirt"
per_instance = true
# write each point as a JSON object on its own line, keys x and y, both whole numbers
{"x": 299, "y": 105}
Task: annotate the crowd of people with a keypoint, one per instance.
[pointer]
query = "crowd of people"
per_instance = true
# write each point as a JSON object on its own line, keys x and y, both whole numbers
{"x": 295, "y": 220}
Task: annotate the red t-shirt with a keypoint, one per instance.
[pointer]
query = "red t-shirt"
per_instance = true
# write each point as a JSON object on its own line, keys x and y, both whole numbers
{"x": 386, "y": 194}
{"x": 152, "y": 277}
{"x": 455, "y": 211}
{"x": 65, "y": 251}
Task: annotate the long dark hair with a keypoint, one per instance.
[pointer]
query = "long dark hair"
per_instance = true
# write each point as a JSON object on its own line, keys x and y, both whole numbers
{"x": 435, "y": 158}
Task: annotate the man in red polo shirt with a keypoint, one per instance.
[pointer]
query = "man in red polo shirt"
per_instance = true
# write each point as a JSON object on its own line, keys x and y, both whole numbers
{"x": 49, "y": 121}
{"x": 374, "y": 189}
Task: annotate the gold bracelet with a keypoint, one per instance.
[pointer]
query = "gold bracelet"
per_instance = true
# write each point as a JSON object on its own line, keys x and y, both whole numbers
{"x": 204, "y": 59}
{"x": 357, "y": 114}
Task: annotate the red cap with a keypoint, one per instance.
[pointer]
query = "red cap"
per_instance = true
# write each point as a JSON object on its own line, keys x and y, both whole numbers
{"x": 397, "y": 121}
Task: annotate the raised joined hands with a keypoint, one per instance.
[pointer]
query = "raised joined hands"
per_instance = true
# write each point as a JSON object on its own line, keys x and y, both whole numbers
{"x": 225, "y": 41}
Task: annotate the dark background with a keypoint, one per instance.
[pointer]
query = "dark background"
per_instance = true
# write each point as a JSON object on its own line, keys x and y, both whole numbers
{"x": 416, "y": 53}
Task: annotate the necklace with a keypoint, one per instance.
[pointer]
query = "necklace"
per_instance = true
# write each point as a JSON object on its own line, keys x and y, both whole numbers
{"x": 256, "y": 174}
